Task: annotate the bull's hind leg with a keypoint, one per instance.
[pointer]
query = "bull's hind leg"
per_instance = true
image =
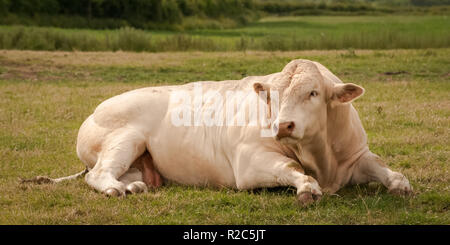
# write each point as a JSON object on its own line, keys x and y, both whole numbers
{"x": 120, "y": 149}
{"x": 371, "y": 168}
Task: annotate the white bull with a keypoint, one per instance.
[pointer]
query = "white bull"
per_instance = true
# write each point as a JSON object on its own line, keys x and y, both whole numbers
{"x": 319, "y": 143}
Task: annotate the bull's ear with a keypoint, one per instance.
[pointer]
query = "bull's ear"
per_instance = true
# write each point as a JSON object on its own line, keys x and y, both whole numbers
{"x": 262, "y": 87}
{"x": 345, "y": 93}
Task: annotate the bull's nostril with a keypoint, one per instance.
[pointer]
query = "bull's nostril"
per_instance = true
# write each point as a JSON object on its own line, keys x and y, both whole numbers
{"x": 291, "y": 126}
{"x": 285, "y": 129}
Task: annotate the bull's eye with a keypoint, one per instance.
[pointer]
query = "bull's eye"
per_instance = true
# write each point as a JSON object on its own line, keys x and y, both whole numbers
{"x": 313, "y": 93}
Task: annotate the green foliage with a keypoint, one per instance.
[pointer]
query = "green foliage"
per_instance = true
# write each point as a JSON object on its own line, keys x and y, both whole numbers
{"x": 4, "y": 6}
{"x": 101, "y": 14}
{"x": 131, "y": 40}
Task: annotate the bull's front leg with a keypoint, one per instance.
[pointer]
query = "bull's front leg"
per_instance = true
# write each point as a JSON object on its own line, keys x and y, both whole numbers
{"x": 370, "y": 167}
{"x": 271, "y": 169}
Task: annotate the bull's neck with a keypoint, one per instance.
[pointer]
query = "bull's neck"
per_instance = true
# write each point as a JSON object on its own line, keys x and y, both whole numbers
{"x": 317, "y": 159}
{"x": 345, "y": 135}
{"x": 322, "y": 155}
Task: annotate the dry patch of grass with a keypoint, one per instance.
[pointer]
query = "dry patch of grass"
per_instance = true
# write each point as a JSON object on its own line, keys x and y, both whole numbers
{"x": 407, "y": 118}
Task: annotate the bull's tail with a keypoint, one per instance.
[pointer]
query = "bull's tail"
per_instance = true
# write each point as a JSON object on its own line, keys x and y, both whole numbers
{"x": 45, "y": 179}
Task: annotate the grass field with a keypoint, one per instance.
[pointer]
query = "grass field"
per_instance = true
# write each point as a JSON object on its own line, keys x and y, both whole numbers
{"x": 45, "y": 96}
{"x": 272, "y": 33}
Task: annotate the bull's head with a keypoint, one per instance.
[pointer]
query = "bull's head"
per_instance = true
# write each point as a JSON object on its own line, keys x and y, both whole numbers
{"x": 305, "y": 102}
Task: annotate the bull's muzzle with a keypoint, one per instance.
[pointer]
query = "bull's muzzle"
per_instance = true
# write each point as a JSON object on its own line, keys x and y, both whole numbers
{"x": 285, "y": 129}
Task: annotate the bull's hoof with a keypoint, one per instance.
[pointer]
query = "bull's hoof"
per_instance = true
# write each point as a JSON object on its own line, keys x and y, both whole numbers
{"x": 399, "y": 185}
{"x": 112, "y": 192}
{"x": 136, "y": 187}
{"x": 307, "y": 198}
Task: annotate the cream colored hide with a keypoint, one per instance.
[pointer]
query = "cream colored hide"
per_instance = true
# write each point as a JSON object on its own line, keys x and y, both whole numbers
{"x": 319, "y": 147}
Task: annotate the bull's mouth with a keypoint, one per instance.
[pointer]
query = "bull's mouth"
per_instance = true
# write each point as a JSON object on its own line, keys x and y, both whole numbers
{"x": 285, "y": 133}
